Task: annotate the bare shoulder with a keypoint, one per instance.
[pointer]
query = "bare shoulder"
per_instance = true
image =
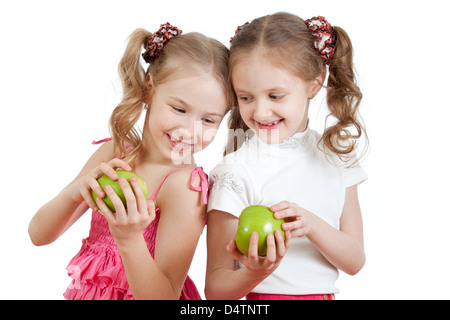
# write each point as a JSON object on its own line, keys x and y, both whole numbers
{"x": 177, "y": 192}
{"x": 104, "y": 153}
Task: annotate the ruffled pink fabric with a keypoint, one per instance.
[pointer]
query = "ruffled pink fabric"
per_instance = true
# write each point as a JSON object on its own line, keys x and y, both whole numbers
{"x": 97, "y": 270}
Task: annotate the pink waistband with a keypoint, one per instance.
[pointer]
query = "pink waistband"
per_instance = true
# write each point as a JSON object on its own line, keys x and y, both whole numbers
{"x": 267, "y": 296}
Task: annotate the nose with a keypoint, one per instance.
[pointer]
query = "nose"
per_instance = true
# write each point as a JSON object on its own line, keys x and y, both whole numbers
{"x": 190, "y": 131}
{"x": 262, "y": 111}
{"x": 182, "y": 134}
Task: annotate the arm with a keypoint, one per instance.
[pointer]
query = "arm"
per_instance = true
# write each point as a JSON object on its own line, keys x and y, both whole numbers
{"x": 223, "y": 279}
{"x": 180, "y": 226}
{"x": 222, "y": 276}
{"x": 343, "y": 248}
{"x": 57, "y": 215}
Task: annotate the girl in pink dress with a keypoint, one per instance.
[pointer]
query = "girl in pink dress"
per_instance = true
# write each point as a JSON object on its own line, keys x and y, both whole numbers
{"x": 144, "y": 249}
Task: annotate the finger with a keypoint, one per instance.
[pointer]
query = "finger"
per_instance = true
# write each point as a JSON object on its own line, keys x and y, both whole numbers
{"x": 231, "y": 246}
{"x": 280, "y": 243}
{"x": 129, "y": 196}
{"x": 293, "y": 225}
{"x": 287, "y": 239}
{"x": 253, "y": 246}
{"x": 151, "y": 209}
{"x": 94, "y": 185}
{"x": 119, "y": 163}
{"x": 298, "y": 232}
{"x": 271, "y": 254}
{"x": 120, "y": 213}
{"x": 107, "y": 169}
{"x": 286, "y": 213}
{"x": 232, "y": 249}
{"x": 139, "y": 195}
{"x": 107, "y": 213}
{"x": 87, "y": 196}
{"x": 280, "y": 206}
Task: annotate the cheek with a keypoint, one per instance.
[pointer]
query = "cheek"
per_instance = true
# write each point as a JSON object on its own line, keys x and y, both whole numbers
{"x": 208, "y": 136}
{"x": 245, "y": 112}
{"x": 160, "y": 120}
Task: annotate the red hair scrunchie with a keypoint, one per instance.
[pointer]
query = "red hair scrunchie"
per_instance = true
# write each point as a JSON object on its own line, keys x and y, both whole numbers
{"x": 325, "y": 39}
{"x": 238, "y": 30}
{"x": 158, "y": 40}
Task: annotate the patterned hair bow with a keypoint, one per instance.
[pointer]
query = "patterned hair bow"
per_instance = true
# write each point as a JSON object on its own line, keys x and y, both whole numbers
{"x": 325, "y": 40}
{"x": 158, "y": 40}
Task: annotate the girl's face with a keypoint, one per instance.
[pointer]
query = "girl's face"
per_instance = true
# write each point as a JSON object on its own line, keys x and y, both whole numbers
{"x": 184, "y": 116}
{"x": 272, "y": 101}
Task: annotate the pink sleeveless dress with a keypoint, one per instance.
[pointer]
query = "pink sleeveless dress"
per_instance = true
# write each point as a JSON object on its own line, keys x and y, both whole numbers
{"x": 97, "y": 270}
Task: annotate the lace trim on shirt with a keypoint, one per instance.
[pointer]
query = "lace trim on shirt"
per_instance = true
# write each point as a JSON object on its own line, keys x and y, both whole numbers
{"x": 294, "y": 142}
{"x": 225, "y": 180}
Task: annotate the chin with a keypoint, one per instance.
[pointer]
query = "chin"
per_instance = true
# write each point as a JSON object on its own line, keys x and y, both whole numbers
{"x": 271, "y": 136}
{"x": 178, "y": 157}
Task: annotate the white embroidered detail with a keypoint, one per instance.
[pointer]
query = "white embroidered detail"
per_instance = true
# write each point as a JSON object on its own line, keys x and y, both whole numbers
{"x": 225, "y": 180}
{"x": 294, "y": 142}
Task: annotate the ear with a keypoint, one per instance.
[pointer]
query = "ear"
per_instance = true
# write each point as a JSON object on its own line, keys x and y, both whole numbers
{"x": 149, "y": 91}
{"x": 316, "y": 85}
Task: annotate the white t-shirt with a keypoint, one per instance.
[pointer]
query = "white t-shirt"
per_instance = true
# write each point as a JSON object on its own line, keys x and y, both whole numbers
{"x": 296, "y": 171}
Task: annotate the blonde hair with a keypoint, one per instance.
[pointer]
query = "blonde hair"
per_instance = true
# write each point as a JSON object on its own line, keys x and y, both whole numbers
{"x": 291, "y": 46}
{"x": 190, "y": 50}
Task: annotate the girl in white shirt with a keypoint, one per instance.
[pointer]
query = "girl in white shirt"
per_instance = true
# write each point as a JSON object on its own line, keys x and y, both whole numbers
{"x": 277, "y": 65}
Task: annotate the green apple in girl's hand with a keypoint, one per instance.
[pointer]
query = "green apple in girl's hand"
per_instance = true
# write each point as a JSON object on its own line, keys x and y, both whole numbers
{"x": 105, "y": 180}
{"x": 260, "y": 219}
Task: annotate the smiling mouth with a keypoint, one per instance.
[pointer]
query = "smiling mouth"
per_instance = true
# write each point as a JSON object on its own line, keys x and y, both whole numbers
{"x": 269, "y": 125}
{"x": 179, "y": 144}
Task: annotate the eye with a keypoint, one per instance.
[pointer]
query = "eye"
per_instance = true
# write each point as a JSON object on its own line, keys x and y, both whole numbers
{"x": 179, "y": 110}
{"x": 276, "y": 96}
{"x": 245, "y": 98}
{"x": 208, "y": 121}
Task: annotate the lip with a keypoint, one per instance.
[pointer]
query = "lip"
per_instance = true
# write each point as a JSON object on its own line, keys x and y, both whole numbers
{"x": 179, "y": 144}
{"x": 269, "y": 125}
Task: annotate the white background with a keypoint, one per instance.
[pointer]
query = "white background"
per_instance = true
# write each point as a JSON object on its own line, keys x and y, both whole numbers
{"x": 59, "y": 83}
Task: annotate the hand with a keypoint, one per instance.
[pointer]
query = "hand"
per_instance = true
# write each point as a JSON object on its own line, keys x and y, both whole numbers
{"x": 298, "y": 220}
{"x": 128, "y": 222}
{"x": 262, "y": 265}
{"x": 85, "y": 185}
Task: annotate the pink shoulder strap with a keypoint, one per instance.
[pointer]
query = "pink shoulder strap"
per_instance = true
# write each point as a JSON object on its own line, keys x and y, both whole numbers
{"x": 109, "y": 139}
{"x": 101, "y": 141}
{"x": 203, "y": 182}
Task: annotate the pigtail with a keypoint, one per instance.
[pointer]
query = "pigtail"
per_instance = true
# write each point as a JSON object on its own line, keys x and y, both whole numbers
{"x": 343, "y": 99}
{"x": 127, "y": 139}
{"x": 238, "y": 131}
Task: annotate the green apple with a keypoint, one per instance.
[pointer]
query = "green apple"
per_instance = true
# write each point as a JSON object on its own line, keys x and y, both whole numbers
{"x": 105, "y": 180}
{"x": 260, "y": 219}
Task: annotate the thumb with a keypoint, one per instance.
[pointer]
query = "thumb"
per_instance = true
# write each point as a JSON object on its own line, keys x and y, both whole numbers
{"x": 151, "y": 208}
